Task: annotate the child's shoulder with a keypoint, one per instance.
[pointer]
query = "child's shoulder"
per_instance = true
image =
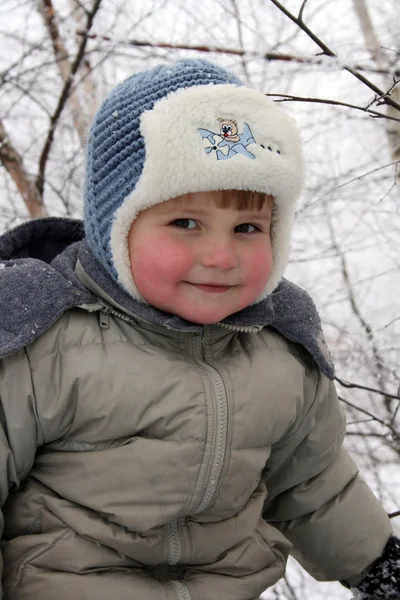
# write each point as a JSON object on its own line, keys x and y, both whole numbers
{"x": 296, "y": 319}
{"x": 281, "y": 345}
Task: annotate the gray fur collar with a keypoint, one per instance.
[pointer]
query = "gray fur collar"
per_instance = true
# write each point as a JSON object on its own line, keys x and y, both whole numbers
{"x": 38, "y": 283}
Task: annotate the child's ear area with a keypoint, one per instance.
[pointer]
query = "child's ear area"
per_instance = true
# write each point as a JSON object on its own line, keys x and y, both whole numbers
{"x": 130, "y": 244}
{"x": 131, "y": 232}
{"x": 133, "y": 235}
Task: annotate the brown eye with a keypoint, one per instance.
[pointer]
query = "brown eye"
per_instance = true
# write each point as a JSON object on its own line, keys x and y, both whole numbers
{"x": 184, "y": 223}
{"x": 246, "y": 228}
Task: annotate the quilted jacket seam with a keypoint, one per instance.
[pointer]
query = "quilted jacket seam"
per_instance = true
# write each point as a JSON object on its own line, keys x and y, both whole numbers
{"x": 26, "y": 563}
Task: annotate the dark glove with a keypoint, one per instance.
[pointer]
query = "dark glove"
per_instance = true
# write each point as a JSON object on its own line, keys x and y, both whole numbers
{"x": 382, "y": 580}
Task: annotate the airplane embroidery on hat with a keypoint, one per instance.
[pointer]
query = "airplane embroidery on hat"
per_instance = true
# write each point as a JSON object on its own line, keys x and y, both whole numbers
{"x": 228, "y": 141}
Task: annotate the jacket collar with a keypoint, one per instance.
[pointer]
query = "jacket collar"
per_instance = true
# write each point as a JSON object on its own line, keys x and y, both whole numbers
{"x": 40, "y": 280}
{"x": 289, "y": 310}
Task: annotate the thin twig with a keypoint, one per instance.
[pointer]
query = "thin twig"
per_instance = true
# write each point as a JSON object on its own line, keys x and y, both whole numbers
{"x": 378, "y": 360}
{"x": 379, "y": 436}
{"x": 375, "y": 114}
{"x": 381, "y": 95}
{"x": 393, "y": 419}
{"x": 349, "y": 182}
{"x": 358, "y": 386}
{"x": 380, "y": 99}
{"x": 394, "y": 514}
{"x": 302, "y": 7}
{"x": 374, "y": 417}
{"x": 236, "y": 13}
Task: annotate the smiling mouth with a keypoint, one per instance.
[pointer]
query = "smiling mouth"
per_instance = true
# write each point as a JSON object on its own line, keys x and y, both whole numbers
{"x": 211, "y": 287}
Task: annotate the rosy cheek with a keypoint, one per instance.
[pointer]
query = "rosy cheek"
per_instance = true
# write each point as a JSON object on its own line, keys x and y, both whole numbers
{"x": 164, "y": 261}
{"x": 260, "y": 266}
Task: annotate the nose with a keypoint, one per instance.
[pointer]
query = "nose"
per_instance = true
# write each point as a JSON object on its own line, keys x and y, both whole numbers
{"x": 220, "y": 254}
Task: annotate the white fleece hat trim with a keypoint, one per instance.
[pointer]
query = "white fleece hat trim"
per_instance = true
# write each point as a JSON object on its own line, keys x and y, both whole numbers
{"x": 187, "y": 151}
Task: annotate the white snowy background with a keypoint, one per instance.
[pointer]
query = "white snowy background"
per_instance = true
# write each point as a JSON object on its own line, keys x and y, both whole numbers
{"x": 345, "y": 248}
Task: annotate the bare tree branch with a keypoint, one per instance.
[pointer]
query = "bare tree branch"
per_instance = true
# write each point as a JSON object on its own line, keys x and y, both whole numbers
{"x": 382, "y": 96}
{"x": 87, "y": 80}
{"x": 380, "y": 58}
{"x": 378, "y": 360}
{"x": 210, "y": 49}
{"x": 372, "y": 113}
{"x": 350, "y": 181}
{"x": 64, "y": 97}
{"x": 302, "y": 7}
{"x": 358, "y": 386}
{"x": 48, "y": 13}
{"x": 395, "y": 434}
{"x": 240, "y": 36}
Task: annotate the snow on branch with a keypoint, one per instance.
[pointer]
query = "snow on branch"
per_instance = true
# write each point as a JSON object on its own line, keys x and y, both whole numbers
{"x": 319, "y": 60}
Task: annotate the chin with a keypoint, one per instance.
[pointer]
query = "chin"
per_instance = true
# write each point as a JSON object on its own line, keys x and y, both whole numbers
{"x": 204, "y": 319}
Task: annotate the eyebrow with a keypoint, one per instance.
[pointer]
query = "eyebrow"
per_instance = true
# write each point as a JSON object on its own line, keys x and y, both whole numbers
{"x": 201, "y": 211}
{"x": 183, "y": 208}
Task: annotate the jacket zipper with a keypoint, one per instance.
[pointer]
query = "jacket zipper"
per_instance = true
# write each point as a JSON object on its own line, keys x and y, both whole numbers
{"x": 221, "y": 412}
{"x": 181, "y": 589}
{"x": 174, "y": 532}
{"x": 175, "y": 536}
{"x": 221, "y": 430}
{"x": 103, "y": 308}
{"x": 241, "y": 329}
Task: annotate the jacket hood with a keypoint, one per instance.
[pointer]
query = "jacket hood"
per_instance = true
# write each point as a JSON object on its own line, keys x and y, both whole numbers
{"x": 39, "y": 282}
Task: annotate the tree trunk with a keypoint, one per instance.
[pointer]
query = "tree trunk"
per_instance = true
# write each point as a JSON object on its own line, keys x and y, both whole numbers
{"x": 25, "y": 184}
{"x": 378, "y": 55}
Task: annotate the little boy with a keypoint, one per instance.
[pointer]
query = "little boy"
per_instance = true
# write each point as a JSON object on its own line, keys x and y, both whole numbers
{"x": 169, "y": 425}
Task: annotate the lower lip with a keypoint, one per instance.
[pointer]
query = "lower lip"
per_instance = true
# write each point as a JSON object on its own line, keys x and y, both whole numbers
{"x": 212, "y": 289}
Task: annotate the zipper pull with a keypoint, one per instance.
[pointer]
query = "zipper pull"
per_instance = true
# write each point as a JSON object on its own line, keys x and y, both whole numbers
{"x": 197, "y": 345}
{"x": 200, "y": 337}
{"x": 104, "y": 319}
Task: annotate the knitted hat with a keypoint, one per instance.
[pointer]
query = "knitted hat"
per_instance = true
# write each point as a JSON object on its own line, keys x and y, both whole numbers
{"x": 184, "y": 128}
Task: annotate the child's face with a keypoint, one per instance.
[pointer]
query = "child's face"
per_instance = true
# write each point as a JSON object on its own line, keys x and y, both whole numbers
{"x": 200, "y": 262}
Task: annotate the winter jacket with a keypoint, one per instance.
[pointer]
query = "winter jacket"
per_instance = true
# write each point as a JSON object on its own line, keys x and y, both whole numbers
{"x": 144, "y": 457}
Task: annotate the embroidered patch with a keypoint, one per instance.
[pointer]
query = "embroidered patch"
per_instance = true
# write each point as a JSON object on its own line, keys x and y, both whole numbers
{"x": 228, "y": 142}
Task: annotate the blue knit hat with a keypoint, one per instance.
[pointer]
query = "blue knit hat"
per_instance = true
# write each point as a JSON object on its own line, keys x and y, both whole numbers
{"x": 182, "y": 128}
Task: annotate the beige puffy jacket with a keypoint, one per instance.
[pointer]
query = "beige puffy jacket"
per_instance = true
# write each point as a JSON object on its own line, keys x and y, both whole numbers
{"x": 154, "y": 464}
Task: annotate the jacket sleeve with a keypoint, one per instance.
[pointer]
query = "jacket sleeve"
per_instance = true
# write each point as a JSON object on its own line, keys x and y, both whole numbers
{"x": 20, "y": 433}
{"x": 317, "y": 498}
